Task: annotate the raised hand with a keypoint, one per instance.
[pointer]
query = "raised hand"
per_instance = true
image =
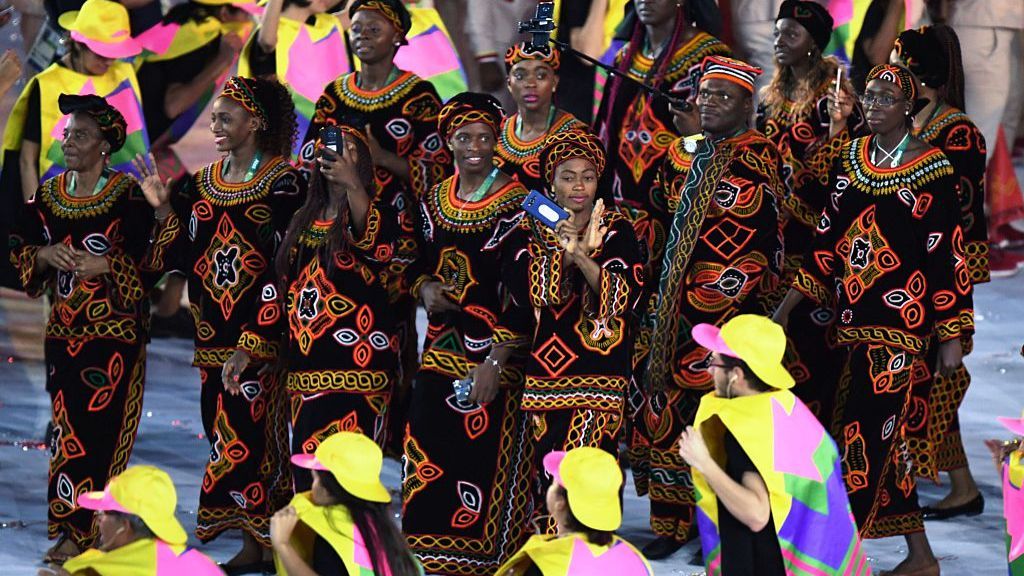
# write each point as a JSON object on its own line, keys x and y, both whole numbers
{"x": 593, "y": 237}
{"x": 153, "y": 187}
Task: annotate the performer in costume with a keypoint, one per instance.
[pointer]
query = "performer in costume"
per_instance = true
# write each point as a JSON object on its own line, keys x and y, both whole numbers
{"x": 723, "y": 250}
{"x": 466, "y": 482}
{"x": 888, "y": 258}
{"x": 237, "y": 210}
{"x": 301, "y": 44}
{"x": 139, "y": 534}
{"x": 933, "y": 429}
{"x": 666, "y": 50}
{"x": 343, "y": 522}
{"x": 795, "y": 114}
{"x": 580, "y": 285}
{"x": 83, "y": 239}
{"x": 398, "y": 111}
{"x": 532, "y": 81}
{"x": 32, "y": 137}
{"x": 771, "y": 498}
{"x": 324, "y": 298}
{"x": 584, "y": 501}
{"x": 1009, "y": 461}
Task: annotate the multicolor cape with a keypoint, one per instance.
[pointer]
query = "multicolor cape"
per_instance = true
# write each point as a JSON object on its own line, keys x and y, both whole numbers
{"x": 431, "y": 54}
{"x": 146, "y": 557}
{"x": 573, "y": 556}
{"x": 800, "y": 466}
{"x": 307, "y": 58}
{"x": 1013, "y": 511}
{"x": 121, "y": 90}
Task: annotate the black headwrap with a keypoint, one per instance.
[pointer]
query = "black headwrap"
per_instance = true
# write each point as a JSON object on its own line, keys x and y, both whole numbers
{"x": 812, "y": 16}
{"x": 392, "y": 10}
{"x": 924, "y": 55}
{"x": 112, "y": 125}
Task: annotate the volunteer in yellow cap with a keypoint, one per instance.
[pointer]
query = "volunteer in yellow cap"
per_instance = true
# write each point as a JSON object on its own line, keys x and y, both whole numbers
{"x": 344, "y": 519}
{"x": 32, "y": 147}
{"x": 139, "y": 534}
{"x": 584, "y": 501}
{"x": 760, "y": 459}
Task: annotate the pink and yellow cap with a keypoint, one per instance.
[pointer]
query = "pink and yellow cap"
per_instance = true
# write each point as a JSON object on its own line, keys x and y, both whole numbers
{"x": 754, "y": 339}
{"x": 354, "y": 460}
{"x": 591, "y": 478}
{"x": 146, "y": 492}
{"x": 1015, "y": 425}
{"x": 103, "y": 27}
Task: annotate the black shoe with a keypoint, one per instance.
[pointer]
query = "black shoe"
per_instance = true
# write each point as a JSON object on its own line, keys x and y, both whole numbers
{"x": 661, "y": 547}
{"x": 262, "y": 567}
{"x": 972, "y": 508}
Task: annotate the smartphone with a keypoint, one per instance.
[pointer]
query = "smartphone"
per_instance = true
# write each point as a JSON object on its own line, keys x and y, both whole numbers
{"x": 332, "y": 138}
{"x": 680, "y": 104}
{"x": 544, "y": 209}
{"x": 462, "y": 389}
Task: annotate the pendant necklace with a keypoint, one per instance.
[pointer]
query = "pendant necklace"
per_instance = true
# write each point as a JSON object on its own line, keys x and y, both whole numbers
{"x": 893, "y": 155}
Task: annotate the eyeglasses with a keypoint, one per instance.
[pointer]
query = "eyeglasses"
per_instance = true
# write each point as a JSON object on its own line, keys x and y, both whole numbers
{"x": 878, "y": 100}
{"x": 722, "y": 366}
{"x": 709, "y": 96}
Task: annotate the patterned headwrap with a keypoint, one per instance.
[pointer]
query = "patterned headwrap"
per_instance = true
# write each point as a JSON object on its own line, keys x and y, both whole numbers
{"x": 923, "y": 54}
{"x": 730, "y": 70}
{"x": 563, "y": 146}
{"x": 467, "y": 108}
{"x": 112, "y": 125}
{"x": 393, "y": 10}
{"x": 516, "y": 53}
{"x": 899, "y": 76}
{"x": 241, "y": 92}
{"x": 812, "y": 16}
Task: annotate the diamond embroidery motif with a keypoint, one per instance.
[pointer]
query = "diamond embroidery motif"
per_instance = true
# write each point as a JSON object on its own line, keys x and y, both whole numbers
{"x": 727, "y": 237}
{"x": 554, "y": 356}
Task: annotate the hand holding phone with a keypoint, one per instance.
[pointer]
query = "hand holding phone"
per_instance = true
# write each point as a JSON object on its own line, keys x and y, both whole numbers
{"x": 544, "y": 209}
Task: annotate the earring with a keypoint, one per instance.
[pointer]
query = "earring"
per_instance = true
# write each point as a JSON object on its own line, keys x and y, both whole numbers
{"x": 810, "y": 53}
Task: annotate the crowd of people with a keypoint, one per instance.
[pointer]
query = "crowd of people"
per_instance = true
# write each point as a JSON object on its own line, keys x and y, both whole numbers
{"x": 756, "y": 290}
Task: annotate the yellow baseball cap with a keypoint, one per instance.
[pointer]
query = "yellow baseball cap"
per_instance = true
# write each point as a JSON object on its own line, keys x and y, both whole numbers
{"x": 103, "y": 26}
{"x": 146, "y": 492}
{"x": 354, "y": 460}
{"x": 754, "y": 339}
{"x": 591, "y": 478}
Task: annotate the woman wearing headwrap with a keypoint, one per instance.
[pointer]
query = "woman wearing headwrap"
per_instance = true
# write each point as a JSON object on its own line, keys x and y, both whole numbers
{"x": 83, "y": 239}
{"x": 466, "y": 492}
{"x": 580, "y": 284}
{"x": 798, "y": 114}
{"x": 398, "y": 112}
{"x": 184, "y": 65}
{"x": 325, "y": 299}
{"x": 32, "y": 147}
{"x": 934, "y": 428}
{"x": 888, "y": 259}
{"x": 532, "y": 81}
{"x": 302, "y": 45}
{"x": 670, "y": 40}
{"x": 236, "y": 211}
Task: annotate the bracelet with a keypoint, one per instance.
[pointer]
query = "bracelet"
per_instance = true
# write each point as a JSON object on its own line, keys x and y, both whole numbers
{"x": 493, "y": 362}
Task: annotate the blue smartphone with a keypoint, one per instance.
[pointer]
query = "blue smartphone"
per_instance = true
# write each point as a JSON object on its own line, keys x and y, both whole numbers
{"x": 544, "y": 209}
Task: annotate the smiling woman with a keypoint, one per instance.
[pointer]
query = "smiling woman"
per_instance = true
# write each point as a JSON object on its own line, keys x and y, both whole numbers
{"x": 83, "y": 239}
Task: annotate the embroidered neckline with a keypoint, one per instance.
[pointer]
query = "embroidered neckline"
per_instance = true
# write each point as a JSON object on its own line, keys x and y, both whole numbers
{"x": 55, "y": 196}
{"x": 368, "y": 100}
{"x": 214, "y": 188}
{"x": 694, "y": 50}
{"x": 512, "y": 147}
{"x": 880, "y": 181}
{"x": 468, "y": 217}
{"x": 940, "y": 122}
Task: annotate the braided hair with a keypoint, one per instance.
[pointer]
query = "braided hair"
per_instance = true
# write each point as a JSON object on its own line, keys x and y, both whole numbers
{"x": 661, "y": 63}
{"x": 786, "y": 87}
{"x": 278, "y": 136}
{"x": 953, "y": 91}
